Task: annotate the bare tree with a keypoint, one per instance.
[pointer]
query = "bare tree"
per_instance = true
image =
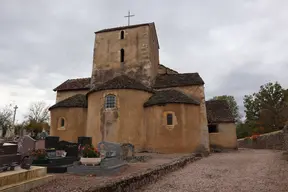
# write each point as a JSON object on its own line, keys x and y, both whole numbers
{"x": 6, "y": 118}
{"x": 37, "y": 117}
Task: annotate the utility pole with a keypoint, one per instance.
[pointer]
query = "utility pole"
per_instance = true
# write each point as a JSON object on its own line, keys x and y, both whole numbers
{"x": 14, "y": 116}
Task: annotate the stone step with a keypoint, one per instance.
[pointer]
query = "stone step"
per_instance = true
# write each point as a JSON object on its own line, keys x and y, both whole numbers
{"x": 28, "y": 184}
{"x": 21, "y": 175}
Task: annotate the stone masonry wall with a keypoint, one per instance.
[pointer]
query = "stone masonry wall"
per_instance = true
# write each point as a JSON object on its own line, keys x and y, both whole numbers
{"x": 274, "y": 140}
{"x": 135, "y": 181}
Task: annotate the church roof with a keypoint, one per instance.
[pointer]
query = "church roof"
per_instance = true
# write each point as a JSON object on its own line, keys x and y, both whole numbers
{"x": 74, "y": 84}
{"x": 218, "y": 111}
{"x": 177, "y": 80}
{"x": 122, "y": 82}
{"x": 78, "y": 101}
{"x": 123, "y": 27}
{"x": 170, "y": 96}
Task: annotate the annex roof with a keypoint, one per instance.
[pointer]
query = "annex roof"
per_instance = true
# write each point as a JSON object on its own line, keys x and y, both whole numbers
{"x": 218, "y": 111}
{"x": 176, "y": 80}
{"x": 122, "y": 82}
{"x": 77, "y": 101}
{"x": 170, "y": 96}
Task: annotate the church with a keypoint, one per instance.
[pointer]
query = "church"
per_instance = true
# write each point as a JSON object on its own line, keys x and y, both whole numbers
{"x": 132, "y": 98}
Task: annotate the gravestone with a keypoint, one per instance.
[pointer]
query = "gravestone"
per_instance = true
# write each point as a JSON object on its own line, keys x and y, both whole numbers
{"x": 51, "y": 142}
{"x": 71, "y": 149}
{"x": 25, "y": 145}
{"x": 40, "y": 144}
{"x": 128, "y": 151}
{"x": 9, "y": 158}
{"x": 112, "y": 154}
{"x": 85, "y": 140}
{"x": 111, "y": 163}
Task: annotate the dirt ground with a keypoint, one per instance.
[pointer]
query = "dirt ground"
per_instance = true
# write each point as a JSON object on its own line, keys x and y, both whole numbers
{"x": 246, "y": 170}
{"x": 73, "y": 183}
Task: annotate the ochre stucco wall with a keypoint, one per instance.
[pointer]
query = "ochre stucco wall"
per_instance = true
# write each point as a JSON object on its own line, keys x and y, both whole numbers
{"x": 123, "y": 124}
{"x": 183, "y": 137}
{"x": 226, "y": 136}
{"x": 75, "y": 123}
{"x": 198, "y": 92}
{"x": 141, "y": 55}
{"x": 61, "y": 95}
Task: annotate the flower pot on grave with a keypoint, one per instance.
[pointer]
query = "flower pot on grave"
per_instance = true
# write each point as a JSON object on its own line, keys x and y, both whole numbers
{"x": 90, "y": 161}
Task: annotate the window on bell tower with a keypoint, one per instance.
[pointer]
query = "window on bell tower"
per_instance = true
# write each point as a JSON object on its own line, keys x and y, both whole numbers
{"x": 122, "y": 35}
{"x": 122, "y": 55}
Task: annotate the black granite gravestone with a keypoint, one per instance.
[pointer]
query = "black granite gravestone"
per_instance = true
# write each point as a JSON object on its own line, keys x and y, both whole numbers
{"x": 85, "y": 140}
{"x": 70, "y": 148}
{"x": 9, "y": 158}
{"x": 51, "y": 142}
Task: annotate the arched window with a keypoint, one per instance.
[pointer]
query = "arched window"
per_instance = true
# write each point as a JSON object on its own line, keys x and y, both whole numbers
{"x": 110, "y": 101}
{"x": 62, "y": 122}
{"x": 169, "y": 119}
{"x": 122, "y": 35}
{"x": 122, "y": 55}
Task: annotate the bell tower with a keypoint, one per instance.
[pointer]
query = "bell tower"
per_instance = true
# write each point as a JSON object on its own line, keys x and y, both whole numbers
{"x": 132, "y": 50}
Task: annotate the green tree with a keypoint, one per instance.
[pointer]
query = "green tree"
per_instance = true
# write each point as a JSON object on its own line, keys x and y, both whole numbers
{"x": 6, "y": 118}
{"x": 265, "y": 109}
{"x": 232, "y": 104}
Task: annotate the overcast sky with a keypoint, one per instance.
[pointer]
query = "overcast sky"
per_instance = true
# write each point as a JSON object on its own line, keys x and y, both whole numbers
{"x": 235, "y": 45}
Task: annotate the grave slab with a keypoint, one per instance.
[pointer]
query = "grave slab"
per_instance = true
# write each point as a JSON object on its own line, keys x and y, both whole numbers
{"x": 22, "y": 180}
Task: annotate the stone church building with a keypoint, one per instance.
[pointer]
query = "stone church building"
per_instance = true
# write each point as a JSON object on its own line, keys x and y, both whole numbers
{"x": 132, "y": 98}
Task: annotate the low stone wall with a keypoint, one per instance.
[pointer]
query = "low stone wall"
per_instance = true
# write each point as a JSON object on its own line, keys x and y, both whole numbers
{"x": 132, "y": 182}
{"x": 273, "y": 140}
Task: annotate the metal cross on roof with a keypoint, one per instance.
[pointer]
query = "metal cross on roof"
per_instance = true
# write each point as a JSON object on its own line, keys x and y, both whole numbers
{"x": 128, "y": 16}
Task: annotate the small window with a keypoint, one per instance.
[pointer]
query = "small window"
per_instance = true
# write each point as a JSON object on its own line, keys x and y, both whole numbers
{"x": 169, "y": 119}
{"x": 110, "y": 101}
{"x": 122, "y": 55}
{"x": 62, "y": 121}
{"x": 122, "y": 35}
{"x": 213, "y": 128}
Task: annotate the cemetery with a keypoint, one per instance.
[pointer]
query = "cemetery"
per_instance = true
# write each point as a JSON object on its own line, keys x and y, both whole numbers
{"x": 28, "y": 164}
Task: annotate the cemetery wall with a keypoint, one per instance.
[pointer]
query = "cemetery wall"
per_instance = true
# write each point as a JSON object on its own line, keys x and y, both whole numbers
{"x": 184, "y": 135}
{"x": 75, "y": 123}
{"x": 225, "y": 137}
{"x": 124, "y": 124}
{"x": 273, "y": 140}
{"x": 137, "y": 180}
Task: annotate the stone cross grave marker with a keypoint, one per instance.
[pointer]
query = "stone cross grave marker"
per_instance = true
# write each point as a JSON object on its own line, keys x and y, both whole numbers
{"x": 26, "y": 144}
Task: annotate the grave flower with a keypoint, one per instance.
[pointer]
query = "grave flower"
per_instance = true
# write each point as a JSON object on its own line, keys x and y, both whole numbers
{"x": 88, "y": 151}
{"x": 39, "y": 153}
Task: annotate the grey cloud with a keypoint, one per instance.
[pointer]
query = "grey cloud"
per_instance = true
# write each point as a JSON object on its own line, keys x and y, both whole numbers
{"x": 232, "y": 44}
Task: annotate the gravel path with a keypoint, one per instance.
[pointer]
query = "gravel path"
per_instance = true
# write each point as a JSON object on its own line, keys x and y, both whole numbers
{"x": 243, "y": 171}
